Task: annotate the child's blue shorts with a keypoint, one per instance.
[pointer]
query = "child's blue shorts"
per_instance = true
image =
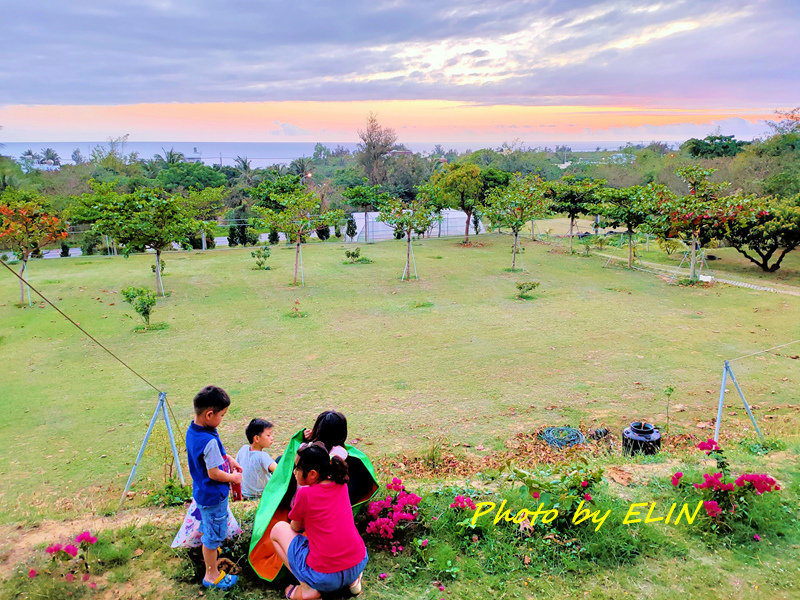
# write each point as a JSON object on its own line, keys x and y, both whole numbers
{"x": 322, "y": 582}
{"x": 214, "y": 524}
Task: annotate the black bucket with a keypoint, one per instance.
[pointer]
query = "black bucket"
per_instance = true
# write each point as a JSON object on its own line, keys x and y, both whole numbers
{"x": 641, "y": 438}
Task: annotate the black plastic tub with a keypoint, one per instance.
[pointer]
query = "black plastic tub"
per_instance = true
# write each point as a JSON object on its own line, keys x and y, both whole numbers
{"x": 641, "y": 438}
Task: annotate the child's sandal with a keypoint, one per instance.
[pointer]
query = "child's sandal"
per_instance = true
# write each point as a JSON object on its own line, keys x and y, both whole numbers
{"x": 290, "y": 591}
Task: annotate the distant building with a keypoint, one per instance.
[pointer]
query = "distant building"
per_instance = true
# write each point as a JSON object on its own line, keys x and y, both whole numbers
{"x": 194, "y": 157}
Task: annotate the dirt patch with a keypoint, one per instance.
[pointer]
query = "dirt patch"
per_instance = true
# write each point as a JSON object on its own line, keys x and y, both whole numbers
{"x": 21, "y": 543}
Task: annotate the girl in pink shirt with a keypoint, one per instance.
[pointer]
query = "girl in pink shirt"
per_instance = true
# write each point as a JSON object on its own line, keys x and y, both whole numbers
{"x": 332, "y": 555}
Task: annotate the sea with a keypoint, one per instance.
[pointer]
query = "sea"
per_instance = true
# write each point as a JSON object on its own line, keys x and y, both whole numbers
{"x": 263, "y": 154}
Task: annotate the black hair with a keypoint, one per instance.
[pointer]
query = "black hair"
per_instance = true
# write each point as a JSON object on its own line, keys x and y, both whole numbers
{"x": 256, "y": 427}
{"x": 330, "y": 429}
{"x": 316, "y": 458}
{"x": 212, "y": 398}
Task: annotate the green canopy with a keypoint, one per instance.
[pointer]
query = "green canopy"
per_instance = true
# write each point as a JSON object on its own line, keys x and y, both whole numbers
{"x": 278, "y": 494}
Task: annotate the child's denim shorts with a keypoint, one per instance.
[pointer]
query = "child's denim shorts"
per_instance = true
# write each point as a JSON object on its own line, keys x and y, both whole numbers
{"x": 322, "y": 582}
{"x": 214, "y": 524}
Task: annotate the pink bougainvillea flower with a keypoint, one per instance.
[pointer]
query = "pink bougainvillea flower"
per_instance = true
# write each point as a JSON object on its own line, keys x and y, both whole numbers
{"x": 587, "y": 497}
{"x": 535, "y": 495}
{"x": 676, "y": 478}
{"x": 382, "y": 576}
{"x": 708, "y": 445}
{"x": 93, "y": 585}
{"x": 423, "y": 543}
{"x": 32, "y": 573}
{"x": 71, "y": 550}
{"x": 55, "y": 548}
{"x": 712, "y": 508}
{"x": 69, "y": 577}
{"x": 757, "y": 537}
{"x": 81, "y": 537}
{"x": 441, "y": 588}
{"x": 85, "y": 577}
{"x": 584, "y": 483}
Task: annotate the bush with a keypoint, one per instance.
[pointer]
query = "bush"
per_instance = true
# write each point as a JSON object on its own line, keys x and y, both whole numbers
{"x": 354, "y": 256}
{"x": 163, "y": 266}
{"x": 89, "y": 243}
{"x": 64, "y": 250}
{"x": 324, "y": 232}
{"x": 351, "y": 229}
{"x": 274, "y": 238}
{"x": 261, "y": 255}
{"x": 233, "y": 236}
{"x": 172, "y": 494}
{"x": 142, "y": 300}
{"x": 524, "y": 287}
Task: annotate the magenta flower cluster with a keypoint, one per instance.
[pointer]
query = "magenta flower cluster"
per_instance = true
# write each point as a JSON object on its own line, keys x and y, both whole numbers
{"x": 463, "y": 502}
{"x": 396, "y": 510}
{"x": 761, "y": 482}
{"x": 714, "y": 482}
{"x": 712, "y": 508}
{"x": 676, "y": 478}
{"x": 709, "y": 445}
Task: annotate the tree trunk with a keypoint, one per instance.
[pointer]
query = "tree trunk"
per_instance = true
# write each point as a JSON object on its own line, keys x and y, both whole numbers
{"x": 22, "y": 270}
{"x": 365, "y": 225}
{"x": 571, "y": 223}
{"x": 630, "y": 248}
{"x": 440, "y": 227}
{"x": 466, "y": 229}
{"x": 296, "y": 258}
{"x": 514, "y": 252}
{"x": 533, "y": 228}
{"x": 693, "y": 264}
{"x": 159, "y": 283}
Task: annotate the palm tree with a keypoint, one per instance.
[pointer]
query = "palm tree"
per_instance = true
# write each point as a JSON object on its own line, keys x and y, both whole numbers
{"x": 242, "y": 164}
{"x": 171, "y": 157}
{"x": 301, "y": 166}
{"x": 30, "y": 155}
{"x": 77, "y": 157}
{"x": 50, "y": 157}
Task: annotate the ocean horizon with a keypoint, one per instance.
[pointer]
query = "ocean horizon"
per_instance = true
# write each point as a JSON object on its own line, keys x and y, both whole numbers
{"x": 264, "y": 154}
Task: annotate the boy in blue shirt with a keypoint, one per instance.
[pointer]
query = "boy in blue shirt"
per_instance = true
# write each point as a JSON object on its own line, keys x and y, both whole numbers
{"x": 211, "y": 484}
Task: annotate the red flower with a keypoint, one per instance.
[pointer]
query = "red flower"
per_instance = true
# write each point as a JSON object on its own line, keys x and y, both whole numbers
{"x": 756, "y": 537}
{"x": 71, "y": 550}
{"x": 584, "y": 483}
{"x": 32, "y": 573}
{"x": 587, "y": 497}
{"x": 712, "y": 508}
{"x": 535, "y": 495}
{"x": 676, "y": 478}
{"x": 69, "y": 577}
{"x": 709, "y": 445}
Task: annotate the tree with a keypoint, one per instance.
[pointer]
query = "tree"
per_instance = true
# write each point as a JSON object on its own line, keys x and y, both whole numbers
{"x": 206, "y": 204}
{"x": 298, "y": 215}
{"x": 763, "y": 227}
{"x": 713, "y": 146}
{"x": 170, "y": 157}
{"x": 696, "y": 215}
{"x": 514, "y": 206}
{"x": 245, "y": 169}
{"x": 50, "y": 157}
{"x": 184, "y": 176}
{"x": 366, "y": 197}
{"x": 409, "y": 217}
{"x": 301, "y": 166}
{"x": 789, "y": 121}
{"x": 461, "y": 183}
{"x": 26, "y": 225}
{"x": 77, "y": 157}
{"x": 632, "y": 207}
{"x": 376, "y": 143}
{"x": 574, "y": 197}
{"x": 147, "y": 218}
{"x": 30, "y": 156}
{"x": 268, "y": 192}
{"x": 142, "y": 300}
{"x": 434, "y": 197}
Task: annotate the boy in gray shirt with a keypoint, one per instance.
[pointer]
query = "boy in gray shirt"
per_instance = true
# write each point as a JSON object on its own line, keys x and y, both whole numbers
{"x": 257, "y": 465}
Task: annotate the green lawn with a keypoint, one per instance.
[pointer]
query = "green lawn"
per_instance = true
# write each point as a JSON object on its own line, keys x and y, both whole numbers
{"x": 471, "y": 364}
{"x": 453, "y": 356}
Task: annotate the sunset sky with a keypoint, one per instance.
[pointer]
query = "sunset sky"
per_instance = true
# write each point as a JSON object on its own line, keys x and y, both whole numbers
{"x": 468, "y": 71}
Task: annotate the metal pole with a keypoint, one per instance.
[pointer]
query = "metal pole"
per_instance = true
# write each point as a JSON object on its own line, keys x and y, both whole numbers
{"x": 746, "y": 405}
{"x": 141, "y": 450}
{"x": 721, "y": 400}
{"x": 162, "y": 400}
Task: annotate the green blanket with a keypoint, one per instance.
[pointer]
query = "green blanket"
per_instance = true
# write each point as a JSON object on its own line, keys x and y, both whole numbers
{"x": 278, "y": 494}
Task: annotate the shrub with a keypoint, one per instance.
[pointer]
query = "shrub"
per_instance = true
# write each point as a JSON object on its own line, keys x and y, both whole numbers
{"x": 394, "y": 513}
{"x": 142, "y": 300}
{"x": 274, "y": 237}
{"x": 64, "y": 250}
{"x": 351, "y": 228}
{"x": 172, "y": 494}
{"x": 233, "y": 236}
{"x": 163, "y": 266}
{"x": 524, "y": 287}
{"x": 324, "y": 232}
{"x": 354, "y": 256}
{"x": 261, "y": 255}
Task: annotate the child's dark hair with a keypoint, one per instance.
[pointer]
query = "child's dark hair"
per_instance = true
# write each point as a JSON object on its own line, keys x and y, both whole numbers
{"x": 316, "y": 458}
{"x": 330, "y": 429}
{"x": 256, "y": 427}
{"x": 212, "y": 398}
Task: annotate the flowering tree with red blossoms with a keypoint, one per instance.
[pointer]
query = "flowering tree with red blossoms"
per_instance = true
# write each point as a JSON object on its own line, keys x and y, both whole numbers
{"x": 26, "y": 225}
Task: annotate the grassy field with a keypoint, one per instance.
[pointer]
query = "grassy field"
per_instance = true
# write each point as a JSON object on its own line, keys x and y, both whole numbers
{"x": 453, "y": 357}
